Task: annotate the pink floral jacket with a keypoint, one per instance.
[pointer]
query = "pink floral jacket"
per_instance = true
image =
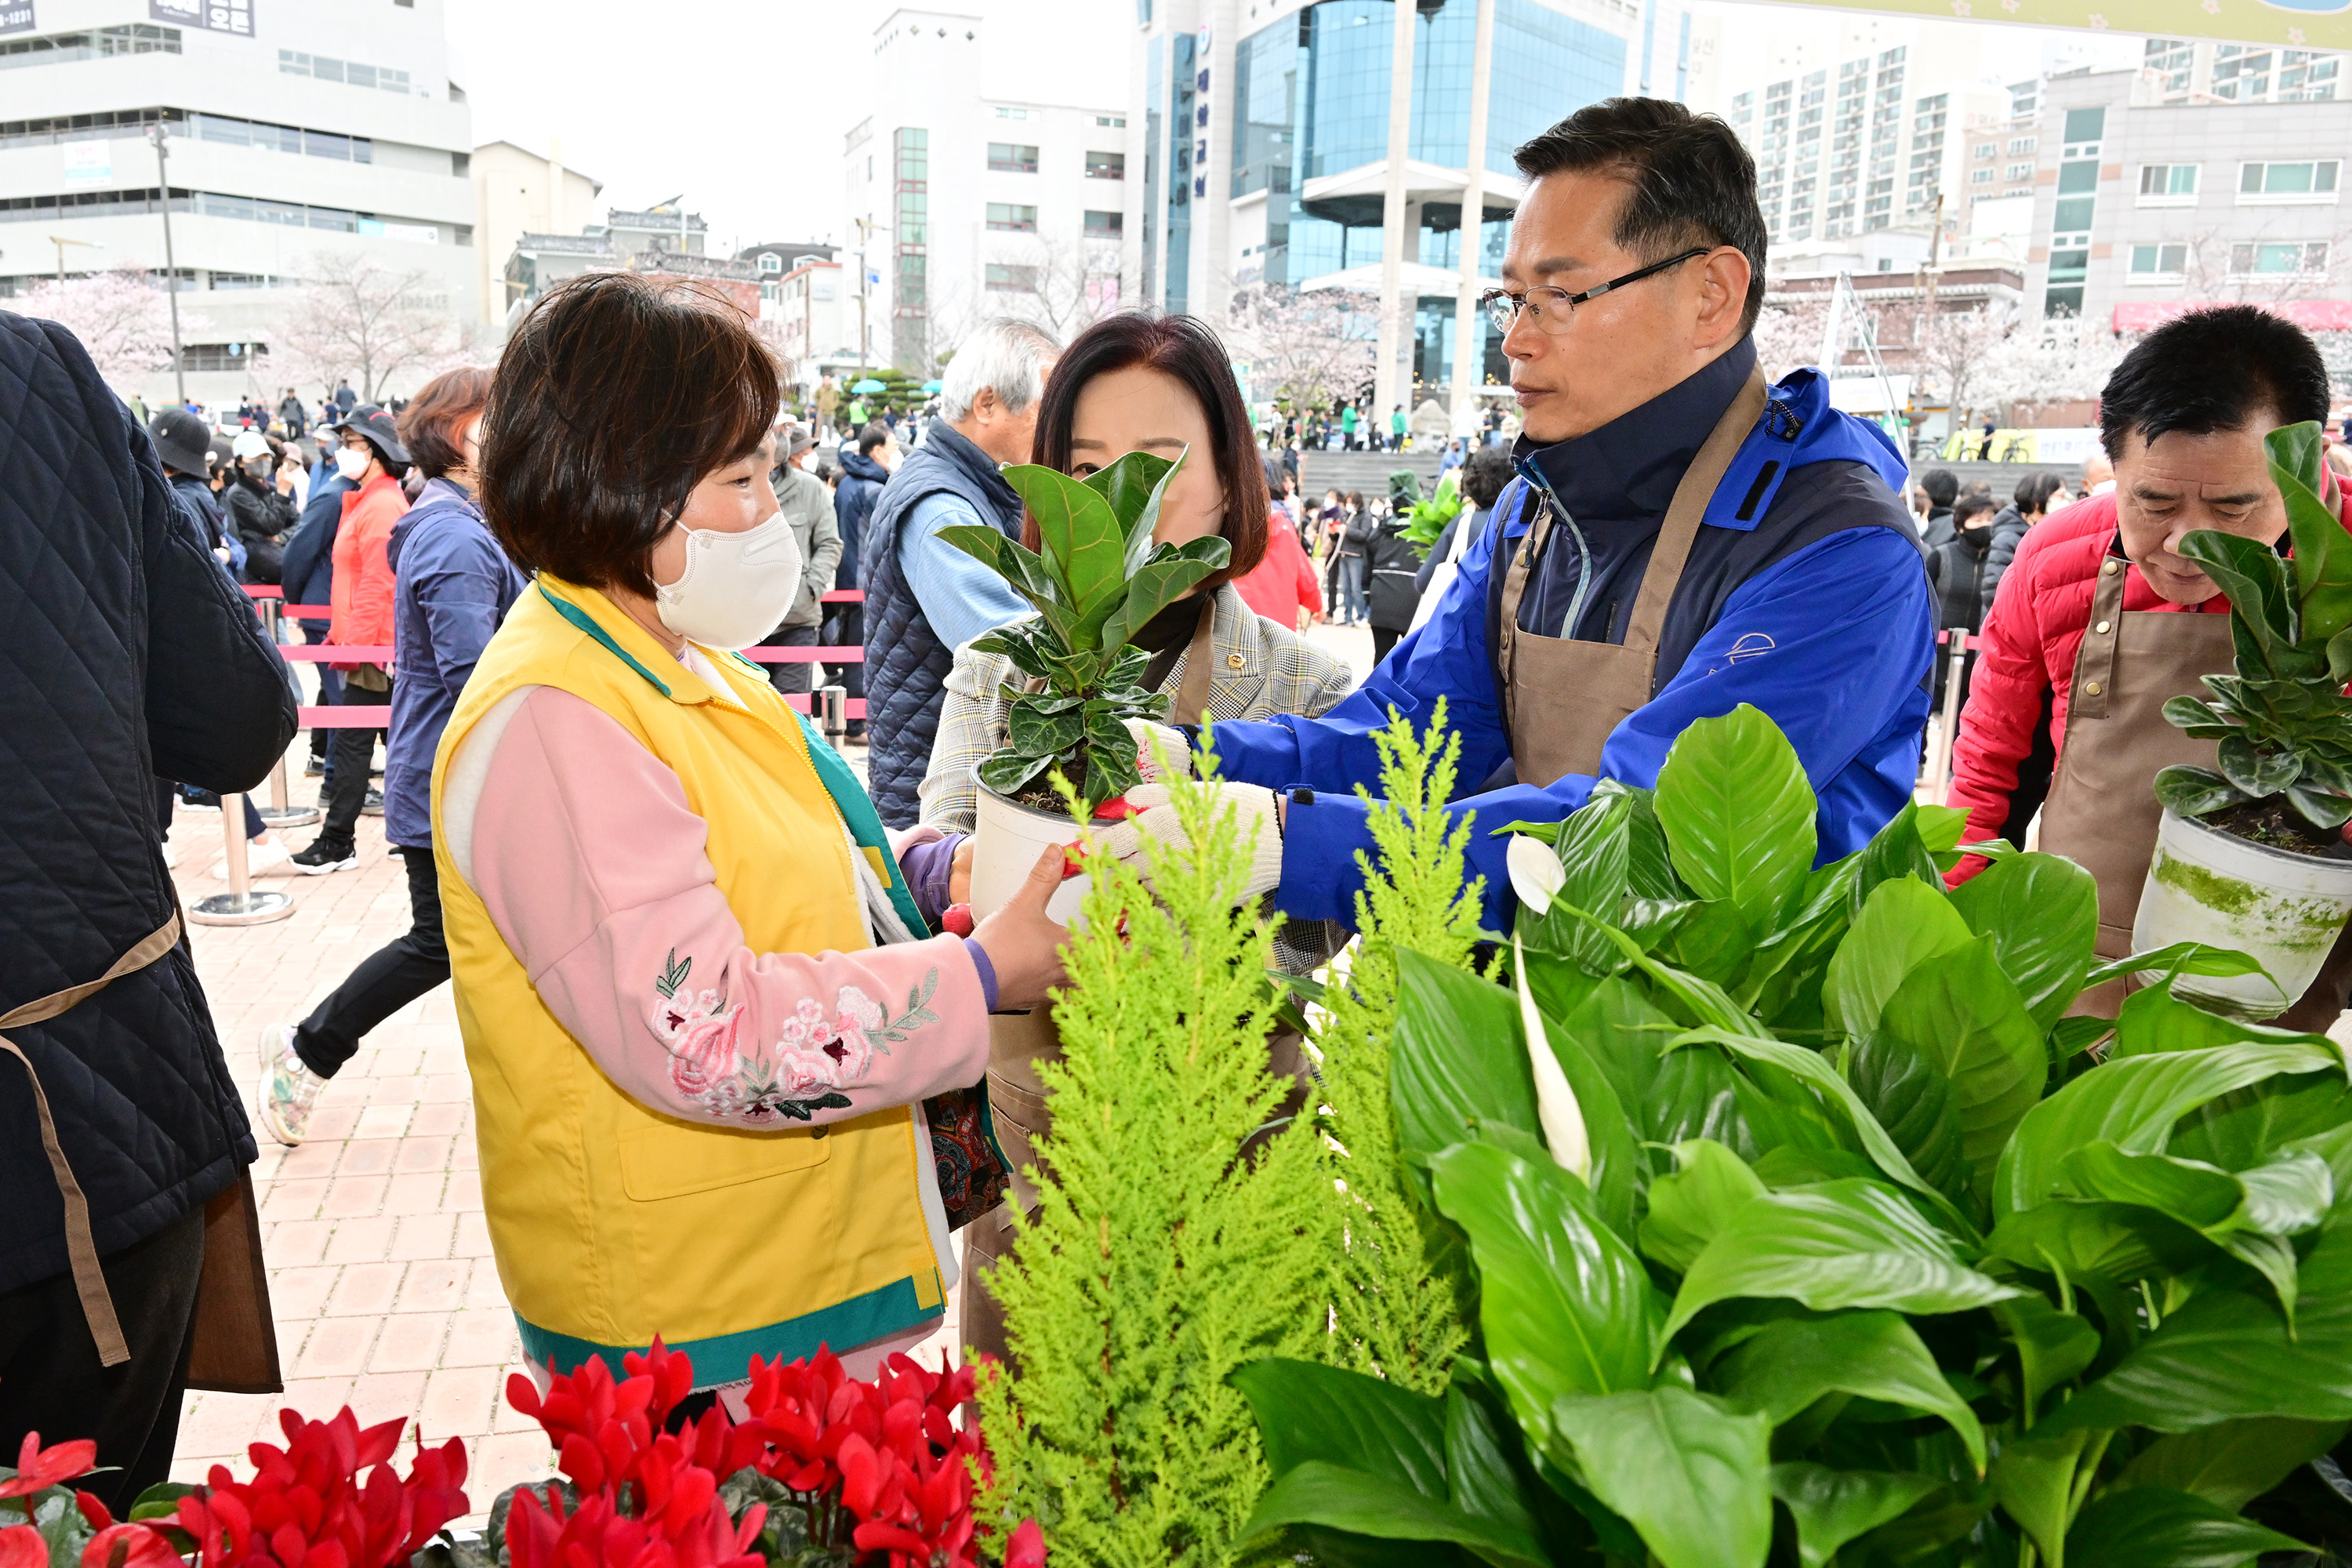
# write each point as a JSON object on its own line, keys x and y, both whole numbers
{"x": 582, "y": 848}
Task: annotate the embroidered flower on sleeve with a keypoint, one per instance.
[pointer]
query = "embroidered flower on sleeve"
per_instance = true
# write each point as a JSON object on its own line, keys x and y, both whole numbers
{"x": 816, "y": 1053}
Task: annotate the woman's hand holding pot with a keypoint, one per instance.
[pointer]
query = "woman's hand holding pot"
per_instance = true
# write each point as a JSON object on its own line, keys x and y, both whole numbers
{"x": 1022, "y": 944}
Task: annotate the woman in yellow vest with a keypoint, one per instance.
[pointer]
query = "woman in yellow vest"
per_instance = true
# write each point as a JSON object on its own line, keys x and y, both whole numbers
{"x": 701, "y": 1008}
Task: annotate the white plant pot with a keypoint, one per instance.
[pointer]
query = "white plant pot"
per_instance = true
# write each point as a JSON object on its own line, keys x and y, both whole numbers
{"x": 1006, "y": 841}
{"x": 2282, "y": 909}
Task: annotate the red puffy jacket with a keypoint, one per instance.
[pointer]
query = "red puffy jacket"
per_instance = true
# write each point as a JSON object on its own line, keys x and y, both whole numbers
{"x": 2038, "y": 615}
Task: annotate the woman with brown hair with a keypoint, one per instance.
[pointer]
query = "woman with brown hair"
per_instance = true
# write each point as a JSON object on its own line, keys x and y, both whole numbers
{"x": 451, "y": 585}
{"x": 701, "y": 1007}
{"x": 1163, "y": 385}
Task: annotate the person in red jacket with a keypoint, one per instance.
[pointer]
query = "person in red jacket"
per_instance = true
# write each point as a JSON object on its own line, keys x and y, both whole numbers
{"x": 373, "y": 457}
{"x": 2100, "y": 619}
{"x": 1282, "y": 586}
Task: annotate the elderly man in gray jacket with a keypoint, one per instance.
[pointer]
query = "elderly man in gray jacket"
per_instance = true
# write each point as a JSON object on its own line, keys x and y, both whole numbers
{"x": 808, "y": 505}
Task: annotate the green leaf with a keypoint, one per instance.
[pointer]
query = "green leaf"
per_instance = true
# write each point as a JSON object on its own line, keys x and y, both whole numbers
{"x": 2339, "y": 657}
{"x": 1317, "y": 1493}
{"x": 2035, "y": 1482}
{"x": 1457, "y": 1057}
{"x": 1622, "y": 1030}
{"x": 2111, "y": 1243}
{"x": 1873, "y": 1355}
{"x": 2196, "y": 792}
{"x": 1082, "y": 542}
{"x": 1025, "y": 573}
{"x": 1488, "y": 1463}
{"x": 1619, "y": 1168}
{"x": 1738, "y": 813}
{"x": 1904, "y": 924}
{"x": 1594, "y": 846}
{"x": 1172, "y": 572}
{"x": 1688, "y": 1207}
{"x": 2180, "y": 958}
{"x": 1040, "y": 734}
{"x": 1688, "y": 1473}
{"x": 1649, "y": 869}
{"x": 1807, "y": 1068}
{"x": 2133, "y": 1103}
{"x": 1913, "y": 1100}
{"x": 2323, "y": 549}
{"x": 2041, "y": 914}
{"x": 2256, "y": 580}
{"x": 2052, "y": 1347}
{"x": 1961, "y": 1014}
{"x": 1565, "y": 1305}
{"x": 2232, "y": 1463}
{"x": 1009, "y": 773}
{"x": 1840, "y": 1244}
{"x": 1307, "y": 1411}
{"x": 1830, "y": 1507}
{"x": 2155, "y": 1527}
{"x": 1895, "y": 852}
{"x": 1135, "y": 486}
{"x": 2071, "y": 1036}
{"x": 2257, "y": 771}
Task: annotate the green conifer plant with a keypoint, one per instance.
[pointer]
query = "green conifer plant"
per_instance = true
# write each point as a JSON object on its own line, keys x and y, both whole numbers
{"x": 1159, "y": 1262}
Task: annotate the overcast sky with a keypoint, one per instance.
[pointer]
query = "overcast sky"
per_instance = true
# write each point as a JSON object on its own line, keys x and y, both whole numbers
{"x": 743, "y": 105}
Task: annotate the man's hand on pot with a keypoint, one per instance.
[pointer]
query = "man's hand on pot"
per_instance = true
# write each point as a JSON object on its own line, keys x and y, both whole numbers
{"x": 1022, "y": 944}
{"x": 1156, "y": 819}
{"x": 1153, "y": 742}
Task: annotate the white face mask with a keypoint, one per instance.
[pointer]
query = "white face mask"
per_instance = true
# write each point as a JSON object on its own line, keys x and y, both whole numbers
{"x": 735, "y": 587}
{"x": 353, "y": 463}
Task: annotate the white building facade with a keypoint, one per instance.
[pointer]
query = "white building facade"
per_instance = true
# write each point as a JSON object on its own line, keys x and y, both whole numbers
{"x": 963, "y": 204}
{"x": 278, "y": 154}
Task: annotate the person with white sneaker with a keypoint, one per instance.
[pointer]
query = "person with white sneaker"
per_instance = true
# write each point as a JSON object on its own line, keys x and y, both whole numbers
{"x": 453, "y": 586}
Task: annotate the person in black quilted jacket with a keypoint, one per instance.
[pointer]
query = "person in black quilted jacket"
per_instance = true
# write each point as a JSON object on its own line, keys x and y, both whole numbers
{"x": 126, "y": 653}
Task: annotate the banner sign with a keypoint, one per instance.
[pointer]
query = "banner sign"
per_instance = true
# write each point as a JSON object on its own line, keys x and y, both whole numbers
{"x": 15, "y": 17}
{"x": 234, "y": 17}
{"x": 2302, "y": 24}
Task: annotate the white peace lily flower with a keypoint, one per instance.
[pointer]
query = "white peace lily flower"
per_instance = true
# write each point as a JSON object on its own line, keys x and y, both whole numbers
{"x": 1536, "y": 871}
{"x": 1557, "y": 1110}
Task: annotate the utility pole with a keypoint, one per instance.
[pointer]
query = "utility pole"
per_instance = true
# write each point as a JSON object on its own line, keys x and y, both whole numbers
{"x": 156, "y": 134}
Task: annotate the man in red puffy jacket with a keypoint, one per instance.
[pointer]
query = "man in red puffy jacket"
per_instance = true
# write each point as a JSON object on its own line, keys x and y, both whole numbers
{"x": 2100, "y": 619}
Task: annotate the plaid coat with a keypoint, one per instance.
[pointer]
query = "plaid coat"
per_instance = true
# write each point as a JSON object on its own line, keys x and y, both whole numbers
{"x": 1263, "y": 669}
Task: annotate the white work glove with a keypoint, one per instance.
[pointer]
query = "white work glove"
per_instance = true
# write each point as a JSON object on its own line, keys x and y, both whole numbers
{"x": 1167, "y": 740}
{"x": 1157, "y": 820}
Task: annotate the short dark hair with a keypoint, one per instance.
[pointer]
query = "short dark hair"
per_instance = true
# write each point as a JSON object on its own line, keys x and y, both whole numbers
{"x": 616, "y": 397}
{"x": 2035, "y": 490}
{"x": 2211, "y": 370}
{"x": 1486, "y": 475}
{"x": 873, "y": 439}
{"x": 1940, "y": 486}
{"x": 1970, "y": 505}
{"x": 1977, "y": 487}
{"x": 1690, "y": 180}
{"x": 433, "y": 424}
{"x": 1188, "y": 349}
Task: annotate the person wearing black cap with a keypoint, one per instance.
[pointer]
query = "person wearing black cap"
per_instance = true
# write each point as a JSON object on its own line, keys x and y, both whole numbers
{"x": 373, "y": 457}
{"x": 184, "y": 444}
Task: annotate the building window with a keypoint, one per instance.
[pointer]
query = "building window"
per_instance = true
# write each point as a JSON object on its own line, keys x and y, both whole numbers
{"x": 282, "y": 138}
{"x": 2084, "y": 129}
{"x": 2152, "y": 263}
{"x": 2313, "y": 182}
{"x": 1103, "y": 225}
{"x": 1985, "y": 150}
{"x": 2167, "y": 185}
{"x": 2020, "y": 146}
{"x": 1981, "y": 177}
{"x": 1010, "y": 218}
{"x": 2017, "y": 171}
{"x": 320, "y": 68}
{"x": 1011, "y": 280}
{"x": 2290, "y": 259}
{"x": 1106, "y": 165}
{"x": 100, "y": 43}
{"x": 1012, "y": 158}
{"x": 1002, "y": 113}
{"x": 1116, "y": 121}
{"x": 771, "y": 262}
{"x": 220, "y": 356}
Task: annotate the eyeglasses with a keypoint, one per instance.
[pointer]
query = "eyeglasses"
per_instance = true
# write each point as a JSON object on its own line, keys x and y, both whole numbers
{"x": 1552, "y": 310}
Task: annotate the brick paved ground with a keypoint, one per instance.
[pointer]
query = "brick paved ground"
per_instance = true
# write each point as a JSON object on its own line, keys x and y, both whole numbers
{"x": 380, "y": 1271}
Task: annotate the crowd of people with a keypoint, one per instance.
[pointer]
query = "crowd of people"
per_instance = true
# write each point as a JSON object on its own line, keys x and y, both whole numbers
{"x": 714, "y": 987}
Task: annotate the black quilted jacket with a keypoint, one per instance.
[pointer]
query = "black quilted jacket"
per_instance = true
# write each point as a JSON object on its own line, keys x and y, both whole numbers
{"x": 125, "y": 653}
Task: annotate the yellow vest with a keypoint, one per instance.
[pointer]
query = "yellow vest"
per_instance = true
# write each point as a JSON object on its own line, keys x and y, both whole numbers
{"x": 613, "y": 1221}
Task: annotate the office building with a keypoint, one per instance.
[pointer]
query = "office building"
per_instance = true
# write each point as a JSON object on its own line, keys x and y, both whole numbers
{"x": 1263, "y": 144}
{"x": 963, "y": 204}
{"x": 278, "y": 155}
{"x": 811, "y": 330}
{"x": 517, "y": 192}
{"x": 2203, "y": 71}
{"x": 2143, "y": 206}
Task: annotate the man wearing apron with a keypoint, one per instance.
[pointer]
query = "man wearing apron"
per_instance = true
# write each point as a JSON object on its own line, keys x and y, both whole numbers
{"x": 2100, "y": 616}
{"x": 1682, "y": 539}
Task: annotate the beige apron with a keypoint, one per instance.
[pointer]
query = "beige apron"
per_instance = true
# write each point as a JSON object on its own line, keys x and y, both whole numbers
{"x": 2102, "y": 812}
{"x": 233, "y": 1344}
{"x": 1017, "y": 1042}
{"x": 1563, "y": 696}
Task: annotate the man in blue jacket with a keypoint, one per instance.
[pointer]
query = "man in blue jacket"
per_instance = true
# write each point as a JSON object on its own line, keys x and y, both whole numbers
{"x": 1682, "y": 539}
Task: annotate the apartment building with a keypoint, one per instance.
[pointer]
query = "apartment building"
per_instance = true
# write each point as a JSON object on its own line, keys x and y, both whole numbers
{"x": 277, "y": 154}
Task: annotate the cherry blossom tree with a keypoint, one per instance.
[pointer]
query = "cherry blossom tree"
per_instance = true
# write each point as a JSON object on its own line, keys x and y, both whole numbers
{"x": 122, "y": 317}
{"x": 1789, "y": 337}
{"x": 1305, "y": 349}
{"x": 1954, "y": 347}
{"x": 361, "y": 320}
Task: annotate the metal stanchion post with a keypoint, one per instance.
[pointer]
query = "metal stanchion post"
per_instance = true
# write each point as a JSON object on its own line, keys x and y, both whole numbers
{"x": 833, "y": 706}
{"x": 279, "y": 812}
{"x": 1955, "y": 679}
{"x": 241, "y": 905}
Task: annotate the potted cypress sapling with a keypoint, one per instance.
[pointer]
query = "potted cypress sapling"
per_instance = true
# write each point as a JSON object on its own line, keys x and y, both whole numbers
{"x": 1096, "y": 578}
{"x": 2253, "y": 857}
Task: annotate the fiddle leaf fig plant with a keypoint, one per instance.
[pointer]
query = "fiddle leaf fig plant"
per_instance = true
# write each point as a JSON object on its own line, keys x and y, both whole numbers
{"x": 1096, "y": 578}
{"x": 2281, "y": 719}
